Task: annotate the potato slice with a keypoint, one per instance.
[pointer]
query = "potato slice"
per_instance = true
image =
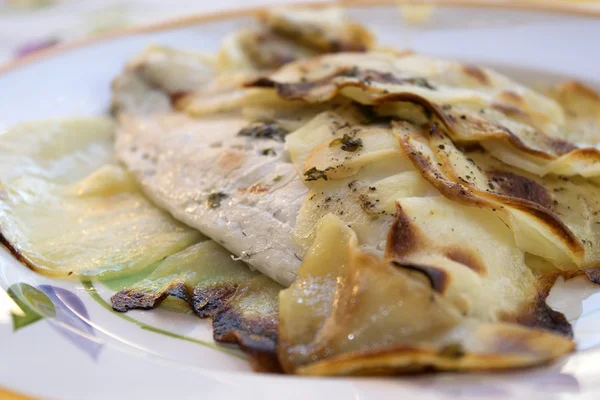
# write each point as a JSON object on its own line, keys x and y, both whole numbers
{"x": 102, "y": 226}
{"x": 58, "y": 150}
{"x": 242, "y": 303}
{"x": 477, "y": 106}
{"x": 350, "y": 312}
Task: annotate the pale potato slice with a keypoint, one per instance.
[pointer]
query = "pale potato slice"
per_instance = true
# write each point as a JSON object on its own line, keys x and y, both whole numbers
{"x": 467, "y": 253}
{"x": 59, "y": 150}
{"x": 325, "y": 30}
{"x": 554, "y": 218}
{"x": 65, "y": 203}
{"x": 352, "y": 313}
{"x": 377, "y": 74}
{"x": 582, "y": 112}
{"x": 174, "y": 70}
{"x": 364, "y": 201}
{"x": 102, "y": 226}
{"x": 478, "y": 106}
{"x": 336, "y": 145}
{"x": 205, "y": 275}
{"x": 243, "y": 304}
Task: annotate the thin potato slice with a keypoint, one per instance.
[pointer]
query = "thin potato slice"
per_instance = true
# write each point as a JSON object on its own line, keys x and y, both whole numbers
{"x": 58, "y": 150}
{"x": 350, "y": 312}
{"x": 242, "y": 303}
{"x": 204, "y": 275}
{"x": 477, "y": 106}
{"x": 582, "y": 111}
{"x": 102, "y": 226}
{"x": 554, "y": 218}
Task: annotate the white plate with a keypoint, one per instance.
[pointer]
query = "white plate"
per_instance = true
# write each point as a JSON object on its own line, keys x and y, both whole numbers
{"x": 87, "y": 351}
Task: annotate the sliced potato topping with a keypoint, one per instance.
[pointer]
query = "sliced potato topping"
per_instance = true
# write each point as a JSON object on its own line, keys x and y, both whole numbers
{"x": 281, "y": 37}
{"x": 555, "y": 218}
{"x": 63, "y": 225}
{"x": 335, "y": 146}
{"x": 173, "y": 70}
{"x": 478, "y": 106}
{"x": 204, "y": 275}
{"x": 242, "y": 303}
{"x": 72, "y": 230}
{"x": 465, "y": 252}
{"x": 325, "y": 31}
{"x": 58, "y": 150}
{"x": 582, "y": 111}
{"x": 350, "y": 312}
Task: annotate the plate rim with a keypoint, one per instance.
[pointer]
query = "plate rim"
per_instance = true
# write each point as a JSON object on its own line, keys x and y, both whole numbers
{"x": 554, "y": 6}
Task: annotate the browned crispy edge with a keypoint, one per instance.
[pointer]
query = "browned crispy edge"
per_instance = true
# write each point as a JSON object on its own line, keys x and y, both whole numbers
{"x": 468, "y": 195}
{"x": 404, "y": 237}
{"x": 300, "y": 90}
{"x": 17, "y": 254}
{"x": 256, "y": 337}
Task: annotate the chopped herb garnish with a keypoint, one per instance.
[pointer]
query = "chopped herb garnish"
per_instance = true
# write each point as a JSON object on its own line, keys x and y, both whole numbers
{"x": 268, "y": 152}
{"x": 351, "y": 144}
{"x": 335, "y": 142}
{"x": 352, "y": 72}
{"x": 348, "y": 143}
{"x": 214, "y": 199}
{"x": 452, "y": 350}
{"x": 264, "y": 130}
{"x": 422, "y": 82}
{"x": 314, "y": 174}
{"x": 433, "y": 128}
{"x": 277, "y": 178}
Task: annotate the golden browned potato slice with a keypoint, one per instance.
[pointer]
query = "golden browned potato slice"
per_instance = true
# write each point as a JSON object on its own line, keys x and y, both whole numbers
{"x": 478, "y": 106}
{"x": 350, "y": 312}
{"x": 555, "y": 218}
{"x": 242, "y": 303}
{"x": 582, "y": 111}
{"x": 325, "y": 31}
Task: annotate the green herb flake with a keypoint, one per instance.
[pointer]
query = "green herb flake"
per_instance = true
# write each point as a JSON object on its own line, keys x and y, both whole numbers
{"x": 264, "y": 130}
{"x": 452, "y": 350}
{"x": 336, "y": 142}
{"x": 347, "y": 143}
{"x": 277, "y": 178}
{"x": 315, "y": 174}
{"x": 268, "y": 152}
{"x": 214, "y": 199}
{"x": 353, "y": 72}
{"x": 422, "y": 82}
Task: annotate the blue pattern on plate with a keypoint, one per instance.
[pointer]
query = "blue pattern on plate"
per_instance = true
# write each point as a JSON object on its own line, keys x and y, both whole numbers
{"x": 71, "y": 320}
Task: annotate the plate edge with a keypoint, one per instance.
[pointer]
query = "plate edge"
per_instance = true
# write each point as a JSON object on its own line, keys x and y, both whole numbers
{"x": 554, "y": 6}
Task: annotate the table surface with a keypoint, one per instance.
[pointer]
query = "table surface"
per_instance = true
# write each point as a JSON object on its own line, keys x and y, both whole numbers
{"x": 30, "y": 25}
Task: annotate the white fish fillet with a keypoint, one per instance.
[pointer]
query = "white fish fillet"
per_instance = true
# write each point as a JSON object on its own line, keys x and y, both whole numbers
{"x": 184, "y": 165}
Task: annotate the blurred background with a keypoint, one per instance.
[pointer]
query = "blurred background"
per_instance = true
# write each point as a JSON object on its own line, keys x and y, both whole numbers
{"x": 27, "y": 26}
